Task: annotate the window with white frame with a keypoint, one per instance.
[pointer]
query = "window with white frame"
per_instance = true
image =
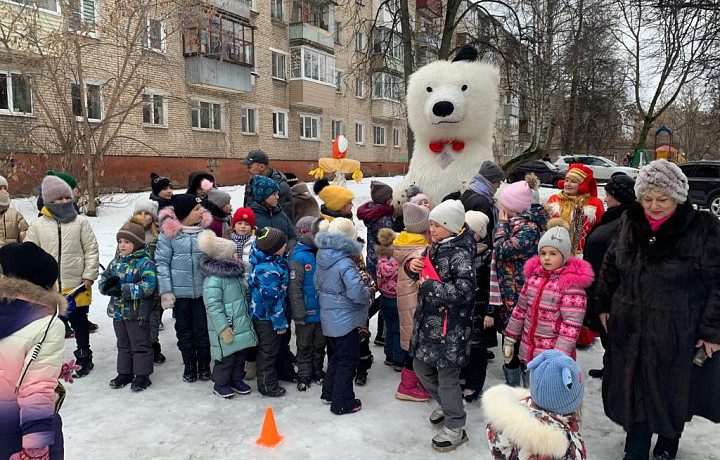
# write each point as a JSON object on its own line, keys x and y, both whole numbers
{"x": 83, "y": 15}
{"x": 359, "y": 133}
{"x": 378, "y": 135}
{"x": 396, "y": 137}
{"x": 251, "y": 3}
{"x": 360, "y": 42}
{"x": 15, "y": 94}
{"x": 280, "y": 124}
{"x": 249, "y": 120}
{"x": 359, "y": 88}
{"x": 278, "y": 65}
{"x": 154, "y": 35}
{"x": 311, "y": 64}
{"x": 385, "y": 86}
{"x": 47, "y": 5}
{"x": 387, "y": 42}
{"x": 276, "y": 9}
{"x": 207, "y": 115}
{"x": 336, "y": 129}
{"x": 309, "y": 128}
{"x": 154, "y": 106}
{"x": 93, "y": 101}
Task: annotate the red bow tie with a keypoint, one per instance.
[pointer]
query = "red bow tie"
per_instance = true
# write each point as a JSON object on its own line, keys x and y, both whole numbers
{"x": 438, "y": 146}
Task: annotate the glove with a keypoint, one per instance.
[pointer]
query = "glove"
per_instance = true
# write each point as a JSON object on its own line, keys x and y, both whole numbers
{"x": 67, "y": 370}
{"x": 167, "y": 300}
{"x": 115, "y": 291}
{"x": 111, "y": 286}
{"x": 38, "y": 453}
{"x": 227, "y": 335}
{"x": 508, "y": 349}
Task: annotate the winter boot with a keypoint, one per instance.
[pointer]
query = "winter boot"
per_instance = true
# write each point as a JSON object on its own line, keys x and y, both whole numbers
{"x": 526, "y": 379}
{"x": 437, "y": 418}
{"x": 361, "y": 380}
{"x": 449, "y": 439}
{"x": 190, "y": 374}
{"x": 596, "y": 373}
{"x": 158, "y": 357}
{"x": 240, "y": 387}
{"x": 250, "y": 370}
{"x": 303, "y": 384}
{"x": 83, "y": 358}
{"x": 93, "y": 327}
{"x": 340, "y": 411}
{"x": 409, "y": 390}
{"x": 512, "y": 376}
{"x": 69, "y": 333}
{"x": 224, "y": 391}
{"x": 140, "y": 383}
{"x": 319, "y": 376}
{"x": 203, "y": 371}
{"x": 121, "y": 381}
{"x": 471, "y": 395}
{"x": 276, "y": 392}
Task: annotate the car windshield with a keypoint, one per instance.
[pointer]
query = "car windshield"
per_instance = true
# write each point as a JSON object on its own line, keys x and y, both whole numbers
{"x": 612, "y": 163}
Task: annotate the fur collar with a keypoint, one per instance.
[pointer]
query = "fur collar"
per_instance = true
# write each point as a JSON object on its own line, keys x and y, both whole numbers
{"x": 381, "y": 250}
{"x": 223, "y": 268}
{"x": 576, "y": 272}
{"x": 15, "y": 288}
{"x": 170, "y": 225}
{"x": 503, "y": 410}
{"x": 325, "y": 240}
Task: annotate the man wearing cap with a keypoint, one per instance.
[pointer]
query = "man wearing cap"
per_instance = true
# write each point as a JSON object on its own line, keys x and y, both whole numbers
{"x": 257, "y": 163}
{"x": 480, "y": 195}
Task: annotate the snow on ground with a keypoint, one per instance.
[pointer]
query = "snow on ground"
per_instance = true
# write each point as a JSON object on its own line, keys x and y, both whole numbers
{"x": 178, "y": 420}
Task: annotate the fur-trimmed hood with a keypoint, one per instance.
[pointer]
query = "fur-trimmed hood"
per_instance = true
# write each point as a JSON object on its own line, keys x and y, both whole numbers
{"x": 332, "y": 247}
{"x": 576, "y": 272}
{"x": 221, "y": 268}
{"x": 170, "y": 225}
{"x": 15, "y": 288}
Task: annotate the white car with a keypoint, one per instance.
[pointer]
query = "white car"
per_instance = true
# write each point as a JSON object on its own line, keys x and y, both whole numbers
{"x": 602, "y": 168}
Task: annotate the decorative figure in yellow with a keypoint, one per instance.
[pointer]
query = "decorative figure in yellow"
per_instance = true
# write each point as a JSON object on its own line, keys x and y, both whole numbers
{"x": 338, "y": 164}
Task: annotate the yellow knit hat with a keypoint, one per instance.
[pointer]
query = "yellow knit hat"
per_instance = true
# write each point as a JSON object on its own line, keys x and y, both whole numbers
{"x": 334, "y": 196}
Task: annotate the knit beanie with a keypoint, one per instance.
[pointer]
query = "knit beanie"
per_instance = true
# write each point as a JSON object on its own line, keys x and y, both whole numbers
{"x": 214, "y": 247}
{"x": 54, "y": 188}
{"x": 3, "y": 182}
{"x": 450, "y": 214}
{"x": 665, "y": 175}
{"x": 380, "y": 192}
{"x": 269, "y": 240}
{"x": 244, "y": 215}
{"x": 29, "y": 262}
{"x": 418, "y": 198}
{"x": 159, "y": 183}
{"x": 344, "y": 227}
{"x": 263, "y": 187}
{"x": 303, "y": 228}
{"x": 491, "y": 171}
{"x": 558, "y": 237}
{"x": 334, "y": 196}
{"x": 218, "y": 197}
{"x": 622, "y": 188}
{"x": 147, "y": 205}
{"x": 183, "y": 204}
{"x": 478, "y": 222}
{"x": 134, "y": 231}
{"x": 70, "y": 180}
{"x": 556, "y": 382}
{"x": 516, "y": 197}
{"x": 415, "y": 218}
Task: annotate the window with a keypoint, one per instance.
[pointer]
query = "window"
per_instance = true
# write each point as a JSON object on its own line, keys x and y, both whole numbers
{"x": 48, "y": 5}
{"x": 338, "y": 26}
{"x": 338, "y": 80}
{"x": 276, "y": 9}
{"x": 708, "y": 171}
{"x": 251, "y": 3}
{"x": 360, "y": 42}
{"x": 336, "y": 129}
{"x": 278, "y": 66}
{"x": 221, "y": 38}
{"x": 359, "y": 90}
{"x": 84, "y": 15}
{"x": 154, "y": 109}
{"x": 359, "y": 133}
{"x": 396, "y": 137}
{"x": 379, "y": 135}
{"x": 207, "y": 115}
{"x": 249, "y": 121}
{"x": 387, "y": 42}
{"x": 280, "y": 124}
{"x": 154, "y": 35}
{"x": 15, "y": 94}
{"x": 309, "y": 128}
{"x": 310, "y": 64}
{"x": 93, "y": 101}
{"x": 385, "y": 86}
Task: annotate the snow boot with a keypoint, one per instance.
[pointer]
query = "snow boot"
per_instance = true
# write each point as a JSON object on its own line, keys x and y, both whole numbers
{"x": 471, "y": 395}
{"x": 203, "y": 371}
{"x": 69, "y": 333}
{"x": 92, "y": 327}
{"x": 319, "y": 376}
{"x": 449, "y": 439}
{"x": 437, "y": 418}
{"x": 489, "y": 355}
{"x": 250, "y": 370}
{"x": 526, "y": 379}
{"x": 512, "y": 376}
{"x": 596, "y": 373}
{"x": 224, "y": 391}
{"x": 121, "y": 381}
{"x": 158, "y": 357}
{"x": 190, "y": 373}
{"x": 361, "y": 380}
{"x": 409, "y": 390}
{"x": 140, "y": 383}
{"x": 83, "y": 358}
{"x": 276, "y": 392}
{"x": 303, "y": 384}
{"x": 341, "y": 411}
{"x": 240, "y": 387}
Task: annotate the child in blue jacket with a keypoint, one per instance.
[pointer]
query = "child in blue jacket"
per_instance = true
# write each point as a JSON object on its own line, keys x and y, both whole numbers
{"x": 269, "y": 277}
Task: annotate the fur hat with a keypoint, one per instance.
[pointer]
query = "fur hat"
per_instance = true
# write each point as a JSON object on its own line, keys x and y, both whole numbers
{"x": 134, "y": 231}
{"x": 334, "y": 196}
{"x": 516, "y": 197}
{"x": 665, "y": 175}
{"x": 344, "y": 227}
{"x": 54, "y": 188}
{"x": 478, "y": 222}
{"x": 450, "y": 214}
{"x": 214, "y": 247}
{"x": 218, "y": 197}
{"x": 269, "y": 240}
{"x": 159, "y": 183}
{"x": 147, "y": 205}
{"x": 622, "y": 188}
{"x": 263, "y": 187}
{"x": 380, "y": 192}
{"x": 385, "y": 238}
{"x": 3, "y": 182}
{"x": 584, "y": 175}
{"x": 303, "y": 229}
{"x": 415, "y": 218}
{"x": 556, "y": 382}
{"x": 70, "y": 180}
{"x": 534, "y": 183}
{"x": 558, "y": 237}
{"x": 244, "y": 215}
{"x": 491, "y": 171}
{"x": 183, "y": 204}
{"x": 29, "y": 262}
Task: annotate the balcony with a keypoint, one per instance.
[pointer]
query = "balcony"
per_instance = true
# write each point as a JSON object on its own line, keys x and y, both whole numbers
{"x": 237, "y": 7}
{"x": 312, "y": 94}
{"x": 302, "y": 33}
{"x": 386, "y": 110}
{"x": 380, "y": 63}
{"x": 434, "y": 6}
{"x": 210, "y": 72}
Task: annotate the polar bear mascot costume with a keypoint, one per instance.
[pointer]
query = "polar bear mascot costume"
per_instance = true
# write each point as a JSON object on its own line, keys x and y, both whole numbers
{"x": 452, "y": 108}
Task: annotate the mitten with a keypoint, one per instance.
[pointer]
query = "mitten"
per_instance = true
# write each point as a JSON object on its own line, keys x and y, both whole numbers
{"x": 37, "y": 453}
{"x": 167, "y": 300}
{"x": 111, "y": 286}
{"x": 227, "y": 335}
{"x": 508, "y": 349}
{"x": 67, "y": 370}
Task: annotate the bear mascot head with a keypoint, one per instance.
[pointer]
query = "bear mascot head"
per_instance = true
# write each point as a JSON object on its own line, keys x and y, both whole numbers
{"x": 452, "y": 108}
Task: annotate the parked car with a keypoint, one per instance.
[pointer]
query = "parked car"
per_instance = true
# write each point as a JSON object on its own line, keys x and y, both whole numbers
{"x": 544, "y": 170}
{"x": 602, "y": 168}
{"x": 704, "y": 180}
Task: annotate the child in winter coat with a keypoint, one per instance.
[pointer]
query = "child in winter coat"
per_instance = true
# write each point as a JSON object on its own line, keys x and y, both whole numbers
{"x": 269, "y": 277}
{"x": 551, "y": 308}
{"x": 220, "y": 209}
{"x": 130, "y": 281}
{"x": 344, "y": 300}
{"x": 337, "y": 200}
{"x": 543, "y": 424}
{"x": 70, "y": 239}
{"x": 13, "y": 226}
{"x": 229, "y": 327}
{"x": 387, "y": 277}
{"x": 268, "y": 213}
{"x": 305, "y": 306}
{"x": 440, "y": 339}
{"x": 181, "y": 283}
{"x": 162, "y": 190}
{"x": 416, "y": 196}
{"x": 241, "y": 233}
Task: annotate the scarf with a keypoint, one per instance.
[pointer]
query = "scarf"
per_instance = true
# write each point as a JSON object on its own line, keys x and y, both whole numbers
{"x": 655, "y": 224}
{"x": 484, "y": 187}
{"x": 240, "y": 241}
{"x": 62, "y": 212}
{"x": 572, "y": 211}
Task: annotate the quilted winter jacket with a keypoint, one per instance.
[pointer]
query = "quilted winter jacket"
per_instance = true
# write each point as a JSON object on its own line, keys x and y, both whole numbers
{"x": 269, "y": 278}
{"x": 275, "y": 218}
{"x": 28, "y": 316}
{"x": 374, "y": 216}
{"x": 72, "y": 244}
{"x": 343, "y": 294}
{"x": 551, "y": 308}
{"x": 13, "y": 227}
{"x": 225, "y": 298}
{"x": 177, "y": 256}
{"x": 302, "y": 295}
{"x": 138, "y": 281}
{"x": 286, "y": 198}
{"x": 407, "y": 246}
{"x": 387, "y": 276}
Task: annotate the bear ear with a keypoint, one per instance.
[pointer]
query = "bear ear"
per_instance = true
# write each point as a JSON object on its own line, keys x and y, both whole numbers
{"x": 466, "y": 53}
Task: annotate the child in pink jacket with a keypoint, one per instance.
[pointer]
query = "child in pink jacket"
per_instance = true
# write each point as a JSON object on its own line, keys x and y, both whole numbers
{"x": 551, "y": 307}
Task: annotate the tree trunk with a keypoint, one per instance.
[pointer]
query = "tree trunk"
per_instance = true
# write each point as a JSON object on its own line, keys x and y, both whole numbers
{"x": 448, "y": 32}
{"x": 643, "y": 135}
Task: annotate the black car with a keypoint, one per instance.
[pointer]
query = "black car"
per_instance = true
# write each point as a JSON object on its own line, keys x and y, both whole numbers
{"x": 544, "y": 170}
{"x": 704, "y": 180}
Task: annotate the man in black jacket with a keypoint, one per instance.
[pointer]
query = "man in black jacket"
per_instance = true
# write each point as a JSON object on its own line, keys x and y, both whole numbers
{"x": 257, "y": 163}
{"x": 480, "y": 195}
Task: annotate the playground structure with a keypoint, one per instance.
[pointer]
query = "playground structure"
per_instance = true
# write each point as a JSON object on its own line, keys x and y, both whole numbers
{"x": 665, "y": 151}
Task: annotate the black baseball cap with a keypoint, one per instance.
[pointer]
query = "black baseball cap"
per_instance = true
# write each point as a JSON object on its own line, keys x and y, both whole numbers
{"x": 256, "y": 156}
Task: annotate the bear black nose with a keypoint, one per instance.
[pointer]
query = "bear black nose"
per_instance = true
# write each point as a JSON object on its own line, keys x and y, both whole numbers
{"x": 443, "y": 108}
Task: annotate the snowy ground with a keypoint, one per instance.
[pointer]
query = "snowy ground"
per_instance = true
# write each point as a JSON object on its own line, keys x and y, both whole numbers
{"x": 177, "y": 420}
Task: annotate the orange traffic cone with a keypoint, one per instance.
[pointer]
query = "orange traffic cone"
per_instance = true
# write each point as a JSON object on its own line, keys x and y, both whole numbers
{"x": 269, "y": 436}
